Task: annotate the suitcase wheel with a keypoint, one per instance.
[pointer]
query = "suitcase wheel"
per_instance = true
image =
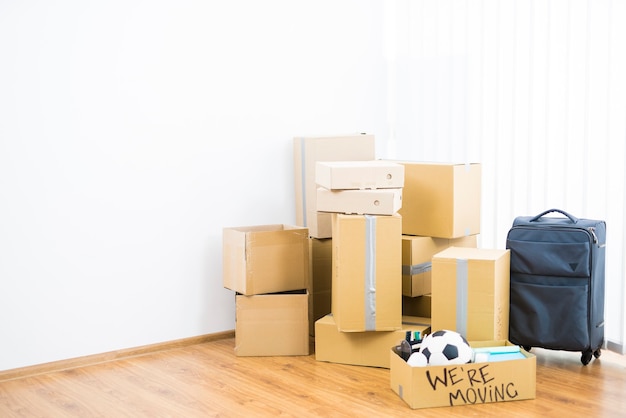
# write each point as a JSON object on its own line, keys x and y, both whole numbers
{"x": 586, "y": 357}
{"x": 597, "y": 353}
{"x": 527, "y": 347}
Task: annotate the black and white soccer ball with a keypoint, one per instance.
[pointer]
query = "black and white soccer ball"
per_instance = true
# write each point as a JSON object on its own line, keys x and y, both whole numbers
{"x": 441, "y": 348}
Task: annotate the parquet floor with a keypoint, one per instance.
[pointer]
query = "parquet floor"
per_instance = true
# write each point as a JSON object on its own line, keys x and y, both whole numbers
{"x": 208, "y": 380}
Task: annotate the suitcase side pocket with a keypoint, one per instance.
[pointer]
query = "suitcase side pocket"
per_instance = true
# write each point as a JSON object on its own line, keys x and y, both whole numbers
{"x": 550, "y": 259}
{"x": 549, "y": 316}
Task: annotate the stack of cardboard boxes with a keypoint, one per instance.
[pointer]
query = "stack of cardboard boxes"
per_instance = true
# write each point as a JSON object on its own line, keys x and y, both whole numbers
{"x": 383, "y": 248}
{"x": 267, "y": 266}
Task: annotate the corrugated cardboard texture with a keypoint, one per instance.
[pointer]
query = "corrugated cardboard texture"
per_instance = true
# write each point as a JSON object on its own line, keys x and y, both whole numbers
{"x": 417, "y": 253}
{"x": 272, "y": 325}
{"x": 265, "y": 259}
{"x": 467, "y": 384}
{"x": 357, "y": 303}
{"x": 441, "y": 200}
{"x": 470, "y": 292}
{"x": 363, "y": 202}
{"x": 309, "y": 150}
{"x": 369, "y": 348}
{"x": 346, "y": 175}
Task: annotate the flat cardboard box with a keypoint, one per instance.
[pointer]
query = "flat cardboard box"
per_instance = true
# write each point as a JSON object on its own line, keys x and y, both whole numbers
{"x": 361, "y": 202}
{"x": 367, "y": 272}
{"x": 441, "y": 199}
{"x": 470, "y": 292}
{"x": 321, "y": 280}
{"x": 347, "y": 175}
{"x": 417, "y": 253}
{"x": 272, "y": 324}
{"x": 417, "y": 305}
{"x": 307, "y": 151}
{"x": 263, "y": 259}
{"x": 467, "y": 384}
{"x": 369, "y": 348}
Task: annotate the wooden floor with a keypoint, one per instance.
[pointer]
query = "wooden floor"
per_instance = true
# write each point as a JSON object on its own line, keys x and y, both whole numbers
{"x": 208, "y": 380}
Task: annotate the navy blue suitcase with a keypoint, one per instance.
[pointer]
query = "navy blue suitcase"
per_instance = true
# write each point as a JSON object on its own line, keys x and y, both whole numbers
{"x": 557, "y": 283}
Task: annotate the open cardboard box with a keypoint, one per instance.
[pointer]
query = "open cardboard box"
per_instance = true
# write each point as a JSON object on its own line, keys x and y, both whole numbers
{"x": 465, "y": 384}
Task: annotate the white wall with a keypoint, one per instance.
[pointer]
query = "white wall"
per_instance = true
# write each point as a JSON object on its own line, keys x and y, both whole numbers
{"x": 132, "y": 132}
{"x": 535, "y": 91}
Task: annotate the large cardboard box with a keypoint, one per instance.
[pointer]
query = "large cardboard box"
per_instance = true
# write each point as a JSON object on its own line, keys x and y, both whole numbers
{"x": 368, "y": 348}
{"x": 321, "y": 280}
{"x": 441, "y": 199}
{"x": 347, "y": 175}
{"x": 417, "y": 253}
{"x": 272, "y": 324}
{"x": 363, "y": 202}
{"x": 466, "y": 384}
{"x": 307, "y": 151}
{"x": 470, "y": 292}
{"x": 367, "y": 272}
{"x": 265, "y": 258}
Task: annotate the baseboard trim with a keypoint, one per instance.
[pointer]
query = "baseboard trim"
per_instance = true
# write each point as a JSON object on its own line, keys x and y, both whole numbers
{"x": 73, "y": 363}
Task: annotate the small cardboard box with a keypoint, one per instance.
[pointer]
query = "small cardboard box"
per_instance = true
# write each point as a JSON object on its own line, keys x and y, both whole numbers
{"x": 417, "y": 306}
{"x": 307, "y": 151}
{"x": 441, "y": 199}
{"x": 470, "y": 292}
{"x": 272, "y": 324}
{"x": 346, "y": 175}
{"x": 369, "y": 348}
{"x": 367, "y": 272}
{"x": 417, "y": 253}
{"x": 321, "y": 280}
{"x": 466, "y": 384}
{"x": 362, "y": 202}
{"x": 265, "y": 258}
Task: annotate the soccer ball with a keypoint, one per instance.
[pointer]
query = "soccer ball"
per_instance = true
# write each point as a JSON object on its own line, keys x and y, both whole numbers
{"x": 444, "y": 347}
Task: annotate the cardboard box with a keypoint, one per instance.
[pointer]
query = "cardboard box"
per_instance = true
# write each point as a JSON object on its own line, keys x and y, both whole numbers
{"x": 309, "y": 150}
{"x": 470, "y": 292}
{"x": 417, "y": 306}
{"x": 265, "y": 258}
{"x": 272, "y": 324}
{"x": 367, "y": 272}
{"x": 467, "y": 384}
{"x": 321, "y": 280}
{"x": 347, "y": 175}
{"x": 362, "y": 202}
{"x": 417, "y": 253}
{"x": 441, "y": 199}
{"x": 369, "y": 348}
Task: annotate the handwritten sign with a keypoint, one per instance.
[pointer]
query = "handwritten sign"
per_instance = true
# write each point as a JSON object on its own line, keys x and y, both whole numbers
{"x": 478, "y": 385}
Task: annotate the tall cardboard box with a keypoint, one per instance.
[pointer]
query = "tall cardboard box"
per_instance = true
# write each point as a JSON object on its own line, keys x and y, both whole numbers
{"x": 367, "y": 272}
{"x": 321, "y": 280}
{"x": 307, "y": 151}
{"x": 441, "y": 199}
{"x": 368, "y": 348}
{"x": 263, "y": 259}
{"x": 466, "y": 384}
{"x": 470, "y": 292}
{"x": 272, "y": 324}
{"x": 417, "y": 253}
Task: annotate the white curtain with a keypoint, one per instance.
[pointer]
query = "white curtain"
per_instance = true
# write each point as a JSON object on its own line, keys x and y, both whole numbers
{"x": 534, "y": 91}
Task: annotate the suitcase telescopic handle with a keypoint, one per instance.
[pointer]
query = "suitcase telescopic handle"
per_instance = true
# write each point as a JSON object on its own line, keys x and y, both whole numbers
{"x": 571, "y": 217}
